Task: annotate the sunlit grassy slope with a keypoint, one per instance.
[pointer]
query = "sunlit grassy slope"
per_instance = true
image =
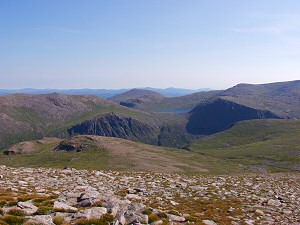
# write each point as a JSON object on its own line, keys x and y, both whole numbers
{"x": 116, "y": 154}
{"x": 258, "y": 144}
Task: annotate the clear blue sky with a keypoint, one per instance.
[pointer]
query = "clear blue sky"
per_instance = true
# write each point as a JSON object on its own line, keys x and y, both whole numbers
{"x": 158, "y": 43}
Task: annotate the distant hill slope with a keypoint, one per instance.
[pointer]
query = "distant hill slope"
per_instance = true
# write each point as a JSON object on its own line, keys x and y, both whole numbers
{"x": 220, "y": 114}
{"x": 245, "y": 102}
{"x": 257, "y": 144}
{"x": 136, "y": 98}
{"x": 151, "y": 101}
{"x": 176, "y": 92}
{"x": 103, "y": 93}
{"x": 27, "y": 117}
{"x": 33, "y": 115}
{"x": 187, "y": 102}
{"x": 282, "y": 98}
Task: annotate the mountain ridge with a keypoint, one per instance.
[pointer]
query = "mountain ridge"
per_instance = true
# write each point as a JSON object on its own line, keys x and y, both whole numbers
{"x": 27, "y": 117}
{"x": 104, "y": 93}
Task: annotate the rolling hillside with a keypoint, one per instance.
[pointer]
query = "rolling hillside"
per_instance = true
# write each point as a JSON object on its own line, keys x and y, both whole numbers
{"x": 245, "y": 102}
{"x": 282, "y": 98}
{"x": 28, "y": 117}
{"x": 137, "y": 98}
{"x": 152, "y": 101}
{"x": 95, "y": 152}
{"x": 256, "y": 144}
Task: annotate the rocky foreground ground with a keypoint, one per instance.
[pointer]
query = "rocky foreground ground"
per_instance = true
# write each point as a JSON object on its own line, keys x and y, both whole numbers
{"x": 69, "y": 196}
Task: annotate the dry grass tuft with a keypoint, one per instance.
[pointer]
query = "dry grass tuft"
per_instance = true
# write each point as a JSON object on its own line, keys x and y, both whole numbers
{"x": 13, "y": 220}
{"x": 105, "y": 220}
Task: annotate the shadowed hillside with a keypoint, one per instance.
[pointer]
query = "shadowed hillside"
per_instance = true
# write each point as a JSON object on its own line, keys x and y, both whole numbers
{"x": 245, "y": 102}
{"x": 112, "y": 125}
{"x": 220, "y": 114}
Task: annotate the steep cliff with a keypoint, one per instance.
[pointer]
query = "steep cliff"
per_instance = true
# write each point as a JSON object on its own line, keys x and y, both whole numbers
{"x": 112, "y": 125}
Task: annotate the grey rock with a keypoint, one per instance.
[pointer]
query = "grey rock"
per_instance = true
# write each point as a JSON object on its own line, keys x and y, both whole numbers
{"x": 63, "y": 206}
{"x": 198, "y": 188}
{"x": 174, "y": 218}
{"x": 96, "y": 212}
{"x": 86, "y": 203}
{"x": 158, "y": 222}
{"x": 209, "y": 222}
{"x": 42, "y": 220}
{"x": 28, "y": 207}
{"x": 134, "y": 196}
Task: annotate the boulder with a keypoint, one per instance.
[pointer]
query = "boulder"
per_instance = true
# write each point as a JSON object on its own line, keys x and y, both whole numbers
{"x": 93, "y": 213}
{"x": 63, "y": 206}
{"x": 158, "y": 222}
{"x": 209, "y": 222}
{"x": 88, "y": 198}
{"x": 134, "y": 196}
{"x": 28, "y": 207}
{"x": 42, "y": 220}
{"x": 174, "y": 218}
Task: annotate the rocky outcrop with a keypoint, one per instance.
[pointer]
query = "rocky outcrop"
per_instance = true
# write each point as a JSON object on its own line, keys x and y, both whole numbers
{"x": 112, "y": 125}
{"x": 220, "y": 115}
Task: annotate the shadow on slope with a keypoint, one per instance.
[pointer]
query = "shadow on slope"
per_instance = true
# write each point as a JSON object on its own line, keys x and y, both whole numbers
{"x": 220, "y": 115}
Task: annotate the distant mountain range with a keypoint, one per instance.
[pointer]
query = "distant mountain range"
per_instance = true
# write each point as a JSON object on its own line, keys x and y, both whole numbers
{"x": 139, "y": 115}
{"x": 103, "y": 93}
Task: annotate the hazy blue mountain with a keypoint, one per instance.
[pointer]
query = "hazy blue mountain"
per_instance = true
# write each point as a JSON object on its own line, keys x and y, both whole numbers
{"x": 104, "y": 93}
{"x": 176, "y": 92}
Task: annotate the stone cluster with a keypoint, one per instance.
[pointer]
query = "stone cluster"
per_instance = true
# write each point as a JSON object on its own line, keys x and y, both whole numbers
{"x": 41, "y": 196}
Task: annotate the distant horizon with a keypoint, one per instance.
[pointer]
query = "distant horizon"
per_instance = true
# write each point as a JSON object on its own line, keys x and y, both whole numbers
{"x": 85, "y": 88}
{"x": 145, "y": 87}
